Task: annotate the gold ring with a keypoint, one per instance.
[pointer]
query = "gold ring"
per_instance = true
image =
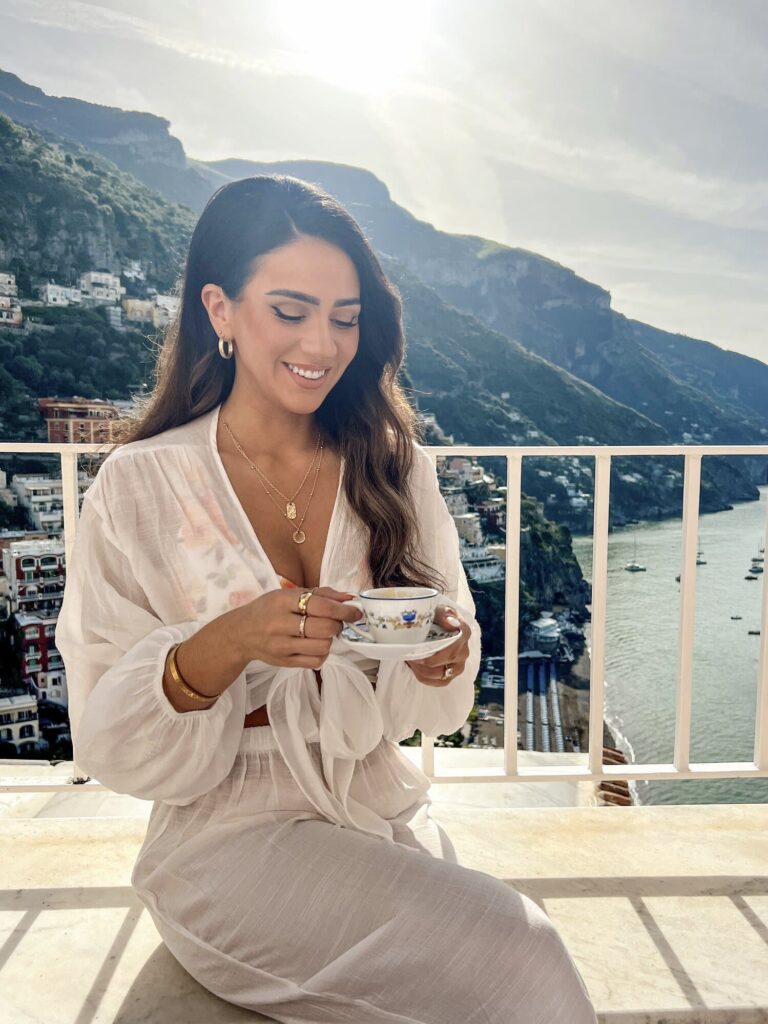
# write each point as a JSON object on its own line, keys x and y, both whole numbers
{"x": 447, "y": 672}
{"x": 304, "y": 598}
{"x": 302, "y": 624}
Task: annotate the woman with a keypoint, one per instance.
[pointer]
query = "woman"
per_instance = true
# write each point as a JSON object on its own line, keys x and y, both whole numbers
{"x": 284, "y": 858}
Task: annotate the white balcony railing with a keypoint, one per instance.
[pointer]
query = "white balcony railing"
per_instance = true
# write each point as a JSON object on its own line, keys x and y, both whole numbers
{"x": 594, "y": 770}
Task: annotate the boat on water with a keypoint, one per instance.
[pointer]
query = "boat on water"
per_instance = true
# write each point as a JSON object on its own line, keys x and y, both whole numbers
{"x": 753, "y": 632}
{"x": 755, "y": 567}
{"x": 634, "y": 565}
{"x": 735, "y": 616}
{"x": 699, "y": 561}
{"x": 748, "y": 577}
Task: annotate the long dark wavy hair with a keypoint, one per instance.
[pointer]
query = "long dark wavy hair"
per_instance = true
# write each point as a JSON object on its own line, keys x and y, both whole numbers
{"x": 365, "y": 417}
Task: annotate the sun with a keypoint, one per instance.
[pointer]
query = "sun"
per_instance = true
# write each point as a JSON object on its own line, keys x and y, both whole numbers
{"x": 367, "y": 48}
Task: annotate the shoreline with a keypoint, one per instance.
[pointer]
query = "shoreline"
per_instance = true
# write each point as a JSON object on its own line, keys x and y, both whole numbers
{"x": 573, "y": 690}
{"x": 574, "y": 699}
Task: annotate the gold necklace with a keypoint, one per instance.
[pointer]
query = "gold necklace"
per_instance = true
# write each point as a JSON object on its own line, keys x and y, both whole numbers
{"x": 290, "y": 504}
{"x": 298, "y": 534}
{"x": 290, "y": 507}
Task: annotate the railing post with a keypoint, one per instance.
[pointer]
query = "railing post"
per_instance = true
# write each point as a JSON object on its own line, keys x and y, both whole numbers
{"x": 599, "y": 601}
{"x": 690, "y": 543}
{"x": 70, "y": 500}
{"x": 761, "y": 713}
{"x": 512, "y": 609}
{"x": 70, "y": 491}
{"x": 427, "y": 744}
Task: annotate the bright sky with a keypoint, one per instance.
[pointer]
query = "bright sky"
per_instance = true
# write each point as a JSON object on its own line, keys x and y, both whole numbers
{"x": 624, "y": 138}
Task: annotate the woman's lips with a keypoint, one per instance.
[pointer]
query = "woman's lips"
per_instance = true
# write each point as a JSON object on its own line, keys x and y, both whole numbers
{"x": 305, "y": 382}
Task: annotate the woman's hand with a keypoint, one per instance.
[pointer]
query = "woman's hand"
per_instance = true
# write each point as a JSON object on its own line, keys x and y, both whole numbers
{"x": 430, "y": 670}
{"x": 267, "y": 628}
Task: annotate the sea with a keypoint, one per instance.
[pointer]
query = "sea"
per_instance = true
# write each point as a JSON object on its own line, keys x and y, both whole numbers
{"x": 642, "y": 625}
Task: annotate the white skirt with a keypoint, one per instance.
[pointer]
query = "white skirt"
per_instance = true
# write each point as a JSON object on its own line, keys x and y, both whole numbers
{"x": 274, "y": 908}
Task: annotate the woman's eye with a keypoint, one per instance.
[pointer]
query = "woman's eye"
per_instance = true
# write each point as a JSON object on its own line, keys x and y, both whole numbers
{"x": 295, "y": 319}
{"x": 283, "y": 316}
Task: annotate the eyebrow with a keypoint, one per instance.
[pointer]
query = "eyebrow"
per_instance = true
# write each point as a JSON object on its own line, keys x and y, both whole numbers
{"x": 303, "y": 297}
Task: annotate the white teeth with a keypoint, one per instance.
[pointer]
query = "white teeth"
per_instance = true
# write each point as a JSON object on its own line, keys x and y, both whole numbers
{"x": 312, "y": 375}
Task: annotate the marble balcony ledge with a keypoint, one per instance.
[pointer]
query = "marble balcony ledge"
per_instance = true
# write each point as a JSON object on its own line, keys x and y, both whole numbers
{"x": 664, "y": 908}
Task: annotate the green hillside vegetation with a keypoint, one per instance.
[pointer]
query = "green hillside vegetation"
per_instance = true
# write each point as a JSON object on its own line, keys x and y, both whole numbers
{"x": 72, "y": 352}
{"x": 65, "y": 210}
{"x": 731, "y": 378}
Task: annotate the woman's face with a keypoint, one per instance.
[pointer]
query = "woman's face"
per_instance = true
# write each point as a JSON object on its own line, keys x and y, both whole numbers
{"x": 314, "y": 328}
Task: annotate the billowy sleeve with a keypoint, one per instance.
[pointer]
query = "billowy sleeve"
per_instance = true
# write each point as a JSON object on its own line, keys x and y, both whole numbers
{"x": 407, "y": 704}
{"x": 125, "y": 731}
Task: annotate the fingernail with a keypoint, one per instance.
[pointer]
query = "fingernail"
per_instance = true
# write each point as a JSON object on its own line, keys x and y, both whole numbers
{"x": 452, "y": 620}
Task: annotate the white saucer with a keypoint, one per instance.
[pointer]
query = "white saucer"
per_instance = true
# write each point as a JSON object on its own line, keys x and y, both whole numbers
{"x": 437, "y": 639}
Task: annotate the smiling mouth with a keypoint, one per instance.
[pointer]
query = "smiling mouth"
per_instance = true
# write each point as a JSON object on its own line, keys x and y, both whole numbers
{"x": 316, "y": 374}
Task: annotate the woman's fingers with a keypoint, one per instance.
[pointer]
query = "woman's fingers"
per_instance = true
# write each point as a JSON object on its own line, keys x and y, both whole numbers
{"x": 447, "y": 618}
{"x": 450, "y": 620}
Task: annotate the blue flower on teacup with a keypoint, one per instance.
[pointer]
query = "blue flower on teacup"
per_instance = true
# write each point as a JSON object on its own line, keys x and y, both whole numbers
{"x": 407, "y": 620}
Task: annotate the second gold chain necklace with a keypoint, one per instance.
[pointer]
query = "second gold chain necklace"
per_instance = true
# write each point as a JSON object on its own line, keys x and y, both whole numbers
{"x": 290, "y": 507}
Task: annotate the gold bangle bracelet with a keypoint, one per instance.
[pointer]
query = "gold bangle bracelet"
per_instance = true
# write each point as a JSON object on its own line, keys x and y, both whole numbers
{"x": 184, "y": 687}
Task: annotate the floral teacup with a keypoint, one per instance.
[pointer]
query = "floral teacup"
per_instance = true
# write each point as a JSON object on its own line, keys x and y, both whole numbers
{"x": 395, "y": 615}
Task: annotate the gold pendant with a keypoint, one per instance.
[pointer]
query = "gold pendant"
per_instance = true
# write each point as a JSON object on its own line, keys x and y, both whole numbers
{"x": 299, "y": 536}
{"x": 290, "y": 510}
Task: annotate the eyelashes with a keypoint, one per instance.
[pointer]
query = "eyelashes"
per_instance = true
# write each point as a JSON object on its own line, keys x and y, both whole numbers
{"x": 296, "y": 319}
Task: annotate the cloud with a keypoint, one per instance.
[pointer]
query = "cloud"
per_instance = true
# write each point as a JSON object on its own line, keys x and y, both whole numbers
{"x": 95, "y": 19}
{"x": 625, "y": 139}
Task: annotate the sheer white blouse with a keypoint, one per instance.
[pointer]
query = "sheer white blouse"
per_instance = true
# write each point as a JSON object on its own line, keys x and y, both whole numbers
{"x": 163, "y": 546}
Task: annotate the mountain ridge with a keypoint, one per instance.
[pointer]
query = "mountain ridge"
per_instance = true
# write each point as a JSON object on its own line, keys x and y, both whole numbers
{"x": 520, "y": 309}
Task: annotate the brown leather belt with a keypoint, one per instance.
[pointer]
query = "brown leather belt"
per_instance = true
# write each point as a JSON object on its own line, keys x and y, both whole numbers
{"x": 259, "y": 715}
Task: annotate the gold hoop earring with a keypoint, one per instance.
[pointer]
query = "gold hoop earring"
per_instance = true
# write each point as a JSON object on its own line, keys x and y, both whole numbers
{"x": 224, "y": 352}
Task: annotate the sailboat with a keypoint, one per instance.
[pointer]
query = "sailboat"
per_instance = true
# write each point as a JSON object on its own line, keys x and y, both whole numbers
{"x": 757, "y": 559}
{"x": 634, "y": 565}
{"x": 699, "y": 561}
